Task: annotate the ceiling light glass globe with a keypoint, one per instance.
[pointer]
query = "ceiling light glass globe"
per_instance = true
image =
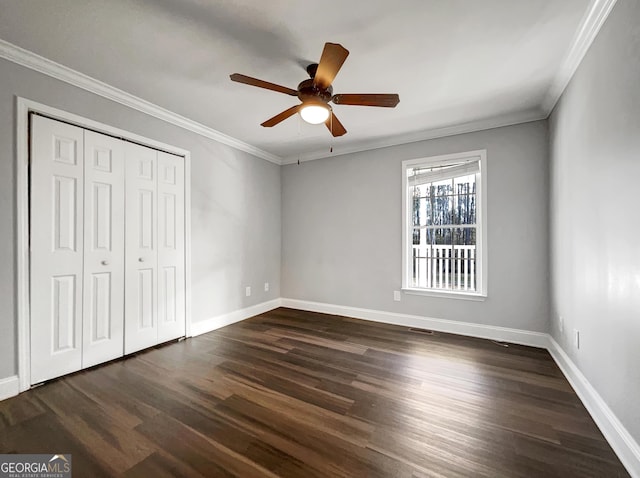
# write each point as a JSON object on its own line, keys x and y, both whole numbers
{"x": 314, "y": 114}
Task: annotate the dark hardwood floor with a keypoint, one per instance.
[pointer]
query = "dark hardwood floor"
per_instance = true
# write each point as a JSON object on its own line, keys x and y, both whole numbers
{"x": 292, "y": 393}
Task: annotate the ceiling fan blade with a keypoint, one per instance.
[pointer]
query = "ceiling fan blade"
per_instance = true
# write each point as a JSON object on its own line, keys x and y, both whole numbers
{"x": 281, "y": 117}
{"x": 247, "y": 80}
{"x": 386, "y": 101}
{"x": 333, "y": 56}
{"x": 334, "y": 125}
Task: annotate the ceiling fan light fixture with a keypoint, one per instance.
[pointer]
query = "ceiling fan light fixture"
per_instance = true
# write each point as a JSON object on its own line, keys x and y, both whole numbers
{"x": 314, "y": 113}
{"x": 316, "y": 92}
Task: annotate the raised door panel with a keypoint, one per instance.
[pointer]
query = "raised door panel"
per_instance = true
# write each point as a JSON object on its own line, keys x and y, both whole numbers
{"x": 146, "y": 300}
{"x": 56, "y": 235}
{"x": 141, "y": 255}
{"x": 171, "y": 254}
{"x": 64, "y": 314}
{"x": 65, "y": 202}
{"x": 100, "y": 318}
{"x": 104, "y": 216}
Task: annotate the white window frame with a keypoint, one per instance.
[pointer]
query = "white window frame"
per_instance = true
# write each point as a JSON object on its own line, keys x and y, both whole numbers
{"x": 481, "y": 225}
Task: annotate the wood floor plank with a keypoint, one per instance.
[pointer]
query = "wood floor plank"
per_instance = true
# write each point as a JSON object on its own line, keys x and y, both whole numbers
{"x": 120, "y": 446}
{"x": 299, "y": 394}
{"x": 47, "y": 433}
{"x": 206, "y": 455}
{"x": 161, "y": 465}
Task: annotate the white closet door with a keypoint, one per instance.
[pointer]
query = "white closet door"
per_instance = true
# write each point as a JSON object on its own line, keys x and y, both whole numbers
{"x": 56, "y": 235}
{"x": 141, "y": 248}
{"x": 171, "y": 270}
{"x": 104, "y": 213}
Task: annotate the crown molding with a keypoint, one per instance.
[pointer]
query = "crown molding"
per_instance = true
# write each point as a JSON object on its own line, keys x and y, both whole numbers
{"x": 471, "y": 127}
{"x": 63, "y": 73}
{"x": 587, "y": 31}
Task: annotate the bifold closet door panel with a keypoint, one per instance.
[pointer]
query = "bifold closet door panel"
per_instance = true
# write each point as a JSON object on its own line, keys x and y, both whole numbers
{"x": 171, "y": 258}
{"x": 141, "y": 248}
{"x": 56, "y": 260}
{"x": 104, "y": 216}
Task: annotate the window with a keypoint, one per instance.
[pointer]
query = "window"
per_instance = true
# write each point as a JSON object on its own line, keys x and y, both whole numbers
{"x": 444, "y": 241}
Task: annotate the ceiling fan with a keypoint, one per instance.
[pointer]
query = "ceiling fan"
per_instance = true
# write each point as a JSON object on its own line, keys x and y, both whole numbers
{"x": 316, "y": 92}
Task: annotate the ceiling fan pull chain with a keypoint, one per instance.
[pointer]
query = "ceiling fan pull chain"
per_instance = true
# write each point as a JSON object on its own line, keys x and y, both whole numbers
{"x": 299, "y": 134}
{"x": 331, "y": 144}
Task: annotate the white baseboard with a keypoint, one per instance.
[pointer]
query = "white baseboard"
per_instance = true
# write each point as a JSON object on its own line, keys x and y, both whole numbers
{"x": 9, "y": 387}
{"x": 627, "y": 449}
{"x": 502, "y": 334}
{"x": 208, "y": 325}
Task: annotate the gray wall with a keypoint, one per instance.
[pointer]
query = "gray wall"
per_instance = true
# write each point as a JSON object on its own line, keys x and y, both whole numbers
{"x": 595, "y": 226}
{"x": 341, "y": 232}
{"x": 235, "y": 204}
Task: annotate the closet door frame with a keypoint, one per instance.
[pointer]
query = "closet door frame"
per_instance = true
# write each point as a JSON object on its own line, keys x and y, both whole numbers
{"x": 24, "y": 109}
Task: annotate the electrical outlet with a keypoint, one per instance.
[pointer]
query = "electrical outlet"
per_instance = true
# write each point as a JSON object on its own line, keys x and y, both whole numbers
{"x": 561, "y": 323}
{"x": 266, "y": 287}
{"x": 247, "y": 291}
{"x": 396, "y": 295}
{"x": 576, "y": 338}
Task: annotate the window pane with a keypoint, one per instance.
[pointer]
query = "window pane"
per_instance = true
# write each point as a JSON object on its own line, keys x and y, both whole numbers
{"x": 464, "y": 259}
{"x": 442, "y": 236}
{"x": 422, "y": 260}
{"x": 420, "y": 206}
{"x": 420, "y": 254}
{"x": 430, "y": 236}
{"x": 432, "y": 259}
{"x": 442, "y": 193}
{"x": 465, "y": 199}
{"x": 464, "y": 236}
{"x": 415, "y": 206}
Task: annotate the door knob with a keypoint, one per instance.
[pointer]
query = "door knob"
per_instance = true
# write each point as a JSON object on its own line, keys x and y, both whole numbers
{"x": 105, "y": 263}
{"x": 140, "y": 259}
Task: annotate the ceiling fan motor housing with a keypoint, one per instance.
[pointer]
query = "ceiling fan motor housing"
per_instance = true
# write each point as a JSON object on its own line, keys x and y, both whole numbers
{"x": 308, "y": 91}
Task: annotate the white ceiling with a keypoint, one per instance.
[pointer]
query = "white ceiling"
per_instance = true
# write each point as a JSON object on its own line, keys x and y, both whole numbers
{"x": 452, "y": 62}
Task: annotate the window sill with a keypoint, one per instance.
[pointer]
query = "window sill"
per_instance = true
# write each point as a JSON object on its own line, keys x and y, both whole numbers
{"x": 446, "y": 294}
